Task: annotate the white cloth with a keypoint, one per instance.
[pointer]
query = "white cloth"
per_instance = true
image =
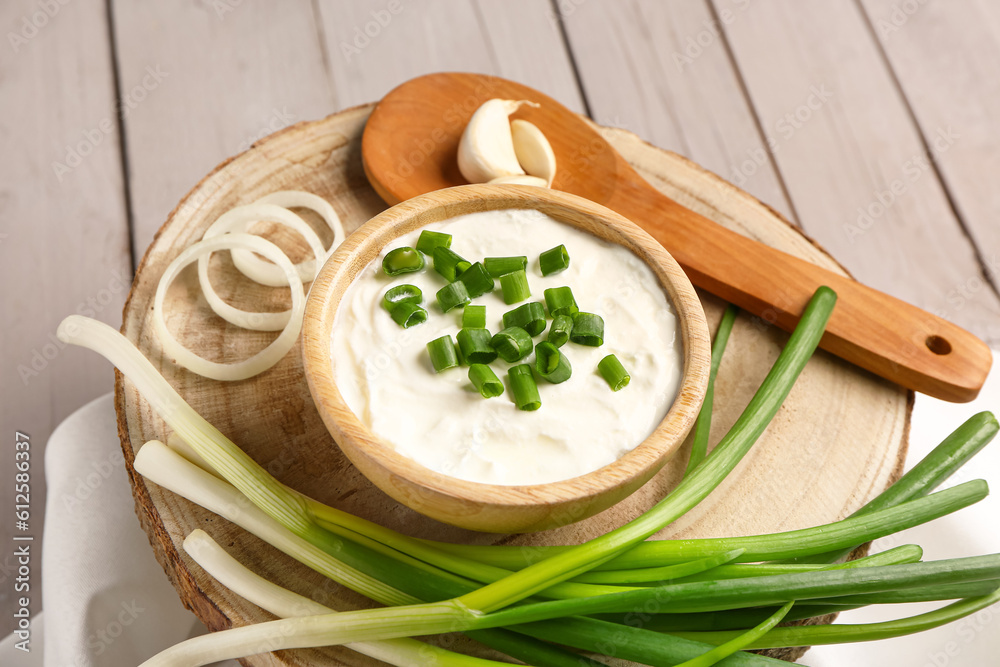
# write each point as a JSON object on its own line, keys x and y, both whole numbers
{"x": 108, "y": 604}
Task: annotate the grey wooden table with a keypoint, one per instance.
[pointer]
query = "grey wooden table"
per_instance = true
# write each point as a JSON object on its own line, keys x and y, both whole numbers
{"x": 872, "y": 124}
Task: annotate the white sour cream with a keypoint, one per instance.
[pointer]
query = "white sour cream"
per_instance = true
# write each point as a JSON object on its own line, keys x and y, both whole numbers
{"x": 441, "y": 421}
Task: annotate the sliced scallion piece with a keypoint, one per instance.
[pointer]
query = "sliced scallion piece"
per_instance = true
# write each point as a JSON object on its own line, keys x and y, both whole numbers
{"x": 588, "y": 329}
{"x": 449, "y": 263}
{"x": 442, "y": 353}
{"x": 613, "y": 372}
{"x": 477, "y": 280}
{"x": 552, "y": 364}
{"x": 515, "y": 287}
{"x": 429, "y": 240}
{"x": 475, "y": 346}
{"x": 512, "y": 344}
{"x": 474, "y": 317}
{"x": 530, "y": 317}
{"x": 402, "y": 294}
{"x": 452, "y": 295}
{"x": 498, "y": 266}
{"x": 407, "y": 315}
{"x": 559, "y": 331}
{"x": 560, "y": 301}
{"x": 554, "y": 260}
{"x": 485, "y": 380}
{"x": 524, "y": 388}
{"x": 402, "y": 260}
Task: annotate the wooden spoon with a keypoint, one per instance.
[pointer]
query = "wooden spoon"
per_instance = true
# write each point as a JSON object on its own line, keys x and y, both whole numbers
{"x": 410, "y": 145}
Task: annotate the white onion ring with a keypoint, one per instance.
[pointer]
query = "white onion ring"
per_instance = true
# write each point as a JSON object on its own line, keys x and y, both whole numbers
{"x": 240, "y": 219}
{"x": 315, "y": 203}
{"x": 264, "y": 359}
{"x": 252, "y": 267}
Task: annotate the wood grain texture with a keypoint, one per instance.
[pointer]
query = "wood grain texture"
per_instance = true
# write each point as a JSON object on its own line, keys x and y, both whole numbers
{"x": 852, "y": 159}
{"x": 837, "y": 441}
{"x": 943, "y": 56}
{"x": 409, "y": 147}
{"x": 490, "y": 507}
{"x": 230, "y": 73}
{"x": 63, "y": 234}
{"x": 375, "y": 45}
{"x": 661, "y": 70}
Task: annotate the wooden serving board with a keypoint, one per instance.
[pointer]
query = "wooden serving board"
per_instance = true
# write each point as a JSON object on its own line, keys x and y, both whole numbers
{"x": 839, "y": 439}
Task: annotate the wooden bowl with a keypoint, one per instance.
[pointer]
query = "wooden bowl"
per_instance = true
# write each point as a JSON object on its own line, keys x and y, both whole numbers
{"x": 491, "y": 507}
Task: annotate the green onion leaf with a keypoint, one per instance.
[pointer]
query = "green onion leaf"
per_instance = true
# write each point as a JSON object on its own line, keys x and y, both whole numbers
{"x": 429, "y": 240}
{"x": 524, "y": 388}
{"x": 407, "y": 315}
{"x": 560, "y": 301}
{"x": 474, "y": 317}
{"x": 530, "y": 317}
{"x": 499, "y": 266}
{"x": 442, "y": 353}
{"x": 552, "y": 364}
{"x": 477, "y": 280}
{"x": 588, "y": 329}
{"x": 512, "y": 344}
{"x": 449, "y": 264}
{"x": 723, "y": 651}
{"x": 475, "y": 346}
{"x": 703, "y": 425}
{"x": 562, "y": 326}
{"x": 613, "y": 372}
{"x": 553, "y": 261}
{"x": 485, "y": 380}
{"x": 402, "y": 260}
{"x": 452, "y": 295}
{"x": 515, "y": 287}
{"x": 402, "y": 294}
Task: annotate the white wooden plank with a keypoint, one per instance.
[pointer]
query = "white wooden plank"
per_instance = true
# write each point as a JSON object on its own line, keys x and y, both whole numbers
{"x": 63, "y": 234}
{"x": 661, "y": 70}
{"x": 374, "y": 45}
{"x": 231, "y": 72}
{"x": 945, "y": 56}
{"x": 853, "y": 161}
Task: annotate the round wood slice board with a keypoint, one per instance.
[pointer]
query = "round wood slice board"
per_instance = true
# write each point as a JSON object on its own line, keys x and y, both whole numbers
{"x": 839, "y": 439}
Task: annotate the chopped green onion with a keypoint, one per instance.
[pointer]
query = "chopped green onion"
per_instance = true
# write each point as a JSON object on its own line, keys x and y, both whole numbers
{"x": 474, "y": 317}
{"x": 562, "y": 326}
{"x": 402, "y": 294}
{"x": 552, "y": 364}
{"x": 560, "y": 301}
{"x": 442, "y": 353}
{"x": 515, "y": 287}
{"x": 475, "y": 346}
{"x": 524, "y": 388}
{"x": 485, "y": 380}
{"x": 530, "y": 317}
{"x": 553, "y": 261}
{"x": 402, "y": 260}
{"x": 449, "y": 264}
{"x": 588, "y": 329}
{"x": 452, "y": 295}
{"x": 477, "y": 280}
{"x": 613, "y": 372}
{"x": 512, "y": 344}
{"x": 498, "y": 266}
{"x": 407, "y": 315}
{"x": 429, "y": 240}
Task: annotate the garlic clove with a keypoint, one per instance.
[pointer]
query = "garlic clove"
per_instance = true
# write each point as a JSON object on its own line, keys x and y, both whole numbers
{"x": 533, "y": 150}
{"x": 486, "y": 150}
{"x": 520, "y": 179}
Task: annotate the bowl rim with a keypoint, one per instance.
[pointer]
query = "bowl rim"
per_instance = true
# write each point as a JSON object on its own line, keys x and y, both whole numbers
{"x": 361, "y": 247}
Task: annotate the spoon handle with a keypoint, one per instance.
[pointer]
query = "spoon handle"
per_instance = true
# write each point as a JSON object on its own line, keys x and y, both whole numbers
{"x": 873, "y": 330}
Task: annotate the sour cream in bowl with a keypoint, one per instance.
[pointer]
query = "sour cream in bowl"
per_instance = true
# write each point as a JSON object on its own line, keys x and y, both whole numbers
{"x": 431, "y": 440}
